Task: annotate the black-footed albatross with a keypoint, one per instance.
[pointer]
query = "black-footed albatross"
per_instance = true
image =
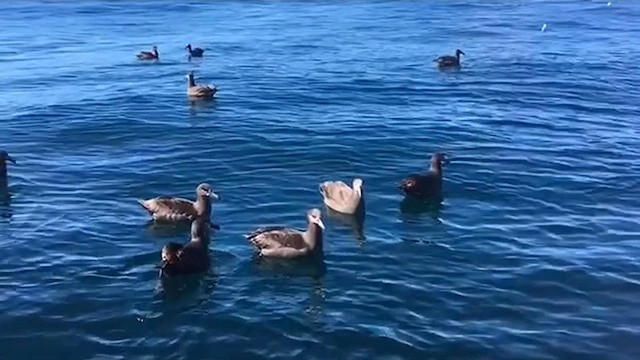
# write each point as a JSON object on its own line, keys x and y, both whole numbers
{"x": 429, "y": 185}
{"x": 4, "y": 157}
{"x": 340, "y": 197}
{"x": 191, "y": 258}
{"x": 450, "y": 61}
{"x": 149, "y": 55}
{"x": 199, "y": 91}
{"x": 173, "y": 209}
{"x": 194, "y": 52}
{"x": 286, "y": 243}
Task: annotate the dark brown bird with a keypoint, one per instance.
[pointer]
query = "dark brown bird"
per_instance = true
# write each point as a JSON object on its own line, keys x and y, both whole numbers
{"x": 194, "y": 52}
{"x": 191, "y": 258}
{"x": 449, "y": 61}
{"x": 149, "y": 55}
{"x": 287, "y": 243}
{"x": 429, "y": 185}
{"x": 173, "y": 209}
{"x": 4, "y": 157}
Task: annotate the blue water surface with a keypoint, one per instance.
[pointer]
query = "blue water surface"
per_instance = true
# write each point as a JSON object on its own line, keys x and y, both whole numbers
{"x": 534, "y": 253}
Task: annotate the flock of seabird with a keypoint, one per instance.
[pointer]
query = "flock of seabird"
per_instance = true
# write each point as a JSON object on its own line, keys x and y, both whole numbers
{"x": 272, "y": 241}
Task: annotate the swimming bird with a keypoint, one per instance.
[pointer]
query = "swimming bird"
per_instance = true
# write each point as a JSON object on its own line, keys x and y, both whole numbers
{"x": 191, "y": 258}
{"x": 449, "y": 61}
{"x": 287, "y": 243}
{"x": 429, "y": 185}
{"x": 4, "y": 157}
{"x": 194, "y": 52}
{"x": 199, "y": 91}
{"x": 342, "y": 198}
{"x": 149, "y": 55}
{"x": 173, "y": 209}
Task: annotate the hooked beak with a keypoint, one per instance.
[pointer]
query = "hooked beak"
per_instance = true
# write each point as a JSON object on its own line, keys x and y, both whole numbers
{"x": 320, "y": 223}
{"x": 11, "y": 159}
{"x": 213, "y": 195}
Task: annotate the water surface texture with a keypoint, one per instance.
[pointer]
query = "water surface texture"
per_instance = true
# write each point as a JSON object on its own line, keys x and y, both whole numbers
{"x": 534, "y": 253}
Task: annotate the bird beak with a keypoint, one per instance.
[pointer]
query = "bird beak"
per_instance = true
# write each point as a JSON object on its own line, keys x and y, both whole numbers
{"x": 462, "y": 52}
{"x": 11, "y": 159}
{"x": 320, "y": 223}
{"x": 214, "y": 196}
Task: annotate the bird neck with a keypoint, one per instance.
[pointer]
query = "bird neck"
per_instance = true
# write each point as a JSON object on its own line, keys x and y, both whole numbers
{"x": 192, "y": 82}
{"x": 200, "y": 232}
{"x": 436, "y": 166}
{"x": 201, "y": 240}
{"x": 3, "y": 169}
{"x": 313, "y": 236}
{"x": 203, "y": 205}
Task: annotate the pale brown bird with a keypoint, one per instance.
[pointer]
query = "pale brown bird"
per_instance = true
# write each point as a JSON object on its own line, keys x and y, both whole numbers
{"x": 340, "y": 197}
{"x": 173, "y": 209}
{"x": 199, "y": 91}
{"x": 287, "y": 243}
{"x": 149, "y": 55}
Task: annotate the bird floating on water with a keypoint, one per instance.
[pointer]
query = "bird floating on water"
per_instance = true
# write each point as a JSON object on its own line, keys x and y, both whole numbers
{"x": 426, "y": 186}
{"x": 199, "y": 91}
{"x": 544, "y": 27}
{"x": 191, "y": 258}
{"x": 194, "y": 52}
{"x": 340, "y": 197}
{"x": 171, "y": 209}
{"x": 450, "y": 61}
{"x": 149, "y": 55}
{"x": 286, "y": 243}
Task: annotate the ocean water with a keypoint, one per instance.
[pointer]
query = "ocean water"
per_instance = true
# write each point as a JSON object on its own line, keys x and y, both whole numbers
{"x": 534, "y": 253}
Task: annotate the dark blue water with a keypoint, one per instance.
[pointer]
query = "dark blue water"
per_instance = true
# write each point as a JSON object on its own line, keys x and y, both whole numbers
{"x": 534, "y": 254}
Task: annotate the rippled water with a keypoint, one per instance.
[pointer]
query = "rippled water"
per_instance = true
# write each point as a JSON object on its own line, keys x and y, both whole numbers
{"x": 533, "y": 254}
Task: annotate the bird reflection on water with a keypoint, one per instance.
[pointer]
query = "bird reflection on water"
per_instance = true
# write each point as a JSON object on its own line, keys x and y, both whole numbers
{"x": 202, "y": 106}
{"x": 313, "y": 268}
{"x": 185, "y": 291}
{"x": 411, "y": 208}
{"x": 354, "y": 222}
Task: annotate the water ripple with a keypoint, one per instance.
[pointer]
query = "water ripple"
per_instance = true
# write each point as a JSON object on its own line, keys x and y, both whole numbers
{"x": 532, "y": 255}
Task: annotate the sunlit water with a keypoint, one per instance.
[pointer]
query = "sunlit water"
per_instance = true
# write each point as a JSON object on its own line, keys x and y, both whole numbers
{"x": 532, "y": 255}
